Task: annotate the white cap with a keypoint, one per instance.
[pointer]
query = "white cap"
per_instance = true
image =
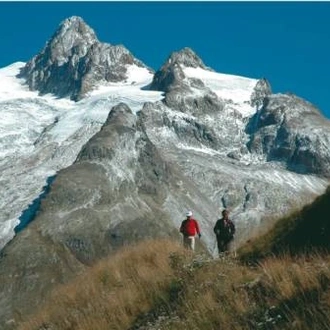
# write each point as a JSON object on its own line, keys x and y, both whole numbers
{"x": 189, "y": 214}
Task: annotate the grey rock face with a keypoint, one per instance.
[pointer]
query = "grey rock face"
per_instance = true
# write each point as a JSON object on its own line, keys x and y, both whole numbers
{"x": 261, "y": 91}
{"x": 103, "y": 145}
{"x": 290, "y": 130}
{"x": 171, "y": 75}
{"x": 185, "y": 57}
{"x": 73, "y": 61}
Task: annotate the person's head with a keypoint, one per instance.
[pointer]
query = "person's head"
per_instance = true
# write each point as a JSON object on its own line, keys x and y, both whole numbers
{"x": 188, "y": 214}
{"x": 225, "y": 213}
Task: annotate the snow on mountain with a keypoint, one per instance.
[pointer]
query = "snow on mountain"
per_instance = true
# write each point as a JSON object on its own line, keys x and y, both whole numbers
{"x": 10, "y": 86}
{"x": 41, "y": 134}
{"x": 227, "y": 87}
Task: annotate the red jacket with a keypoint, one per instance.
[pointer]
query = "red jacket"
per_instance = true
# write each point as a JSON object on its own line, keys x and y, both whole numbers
{"x": 189, "y": 227}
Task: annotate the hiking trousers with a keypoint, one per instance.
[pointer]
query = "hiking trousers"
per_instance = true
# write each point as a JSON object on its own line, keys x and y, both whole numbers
{"x": 223, "y": 244}
{"x": 189, "y": 242}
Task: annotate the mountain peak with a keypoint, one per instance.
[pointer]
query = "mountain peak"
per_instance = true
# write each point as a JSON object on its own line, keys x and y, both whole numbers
{"x": 73, "y": 20}
{"x": 186, "y": 57}
{"x": 73, "y": 23}
{"x": 73, "y": 62}
{"x": 75, "y": 26}
{"x": 261, "y": 90}
{"x": 72, "y": 33}
{"x": 171, "y": 74}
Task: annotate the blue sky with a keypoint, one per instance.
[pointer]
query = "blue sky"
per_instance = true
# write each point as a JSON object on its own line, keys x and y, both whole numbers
{"x": 286, "y": 42}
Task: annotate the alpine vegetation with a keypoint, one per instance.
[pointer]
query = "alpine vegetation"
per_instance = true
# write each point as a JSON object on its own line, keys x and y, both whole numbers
{"x": 158, "y": 285}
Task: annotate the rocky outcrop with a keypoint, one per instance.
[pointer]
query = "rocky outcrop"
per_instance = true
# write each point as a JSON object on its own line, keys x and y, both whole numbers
{"x": 290, "y": 130}
{"x": 261, "y": 91}
{"x": 171, "y": 76}
{"x": 74, "y": 61}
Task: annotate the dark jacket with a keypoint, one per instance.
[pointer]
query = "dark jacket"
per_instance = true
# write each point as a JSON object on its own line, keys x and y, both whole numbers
{"x": 224, "y": 230}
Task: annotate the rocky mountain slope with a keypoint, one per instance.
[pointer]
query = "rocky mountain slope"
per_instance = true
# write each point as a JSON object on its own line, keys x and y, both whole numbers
{"x": 126, "y": 153}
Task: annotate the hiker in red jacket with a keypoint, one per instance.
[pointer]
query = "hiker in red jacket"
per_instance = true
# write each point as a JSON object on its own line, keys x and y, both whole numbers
{"x": 189, "y": 228}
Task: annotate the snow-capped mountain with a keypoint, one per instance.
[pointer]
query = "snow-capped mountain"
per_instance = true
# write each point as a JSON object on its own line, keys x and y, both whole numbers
{"x": 119, "y": 153}
{"x": 42, "y": 134}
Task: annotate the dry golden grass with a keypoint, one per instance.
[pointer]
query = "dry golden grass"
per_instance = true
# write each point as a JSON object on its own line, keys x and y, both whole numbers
{"x": 301, "y": 231}
{"x": 281, "y": 293}
{"x": 113, "y": 293}
{"x": 184, "y": 291}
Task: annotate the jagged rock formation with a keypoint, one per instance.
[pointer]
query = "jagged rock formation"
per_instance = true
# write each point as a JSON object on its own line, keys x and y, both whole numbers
{"x": 171, "y": 76}
{"x": 74, "y": 61}
{"x": 290, "y": 130}
{"x": 260, "y": 92}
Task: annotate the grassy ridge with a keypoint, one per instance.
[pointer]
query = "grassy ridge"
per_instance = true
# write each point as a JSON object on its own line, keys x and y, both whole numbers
{"x": 157, "y": 285}
{"x": 303, "y": 231}
{"x": 113, "y": 293}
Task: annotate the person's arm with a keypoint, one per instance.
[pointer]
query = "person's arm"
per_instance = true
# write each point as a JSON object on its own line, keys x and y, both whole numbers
{"x": 197, "y": 229}
{"x": 216, "y": 228}
{"x": 233, "y": 228}
{"x": 181, "y": 227}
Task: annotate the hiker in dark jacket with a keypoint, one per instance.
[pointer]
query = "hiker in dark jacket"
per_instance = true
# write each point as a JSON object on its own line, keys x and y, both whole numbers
{"x": 224, "y": 230}
{"x": 189, "y": 228}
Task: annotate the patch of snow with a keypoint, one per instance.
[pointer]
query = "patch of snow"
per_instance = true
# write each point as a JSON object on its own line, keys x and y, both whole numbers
{"x": 227, "y": 87}
{"x": 12, "y": 88}
{"x": 203, "y": 149}
{"x": 137, "y": 78}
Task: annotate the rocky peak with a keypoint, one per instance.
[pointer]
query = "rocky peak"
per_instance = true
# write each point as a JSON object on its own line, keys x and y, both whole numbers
{"x": 171, "y": 74}
{"x": 261, "y": 91}
{"x": 120, "y": 121}
{"x": 73, "y": 62}
{"x": 75, "y": 24}
{"x": 186, "y": 57}
{"x": 73, "y": 38}
{"x": 121, "y": 115}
